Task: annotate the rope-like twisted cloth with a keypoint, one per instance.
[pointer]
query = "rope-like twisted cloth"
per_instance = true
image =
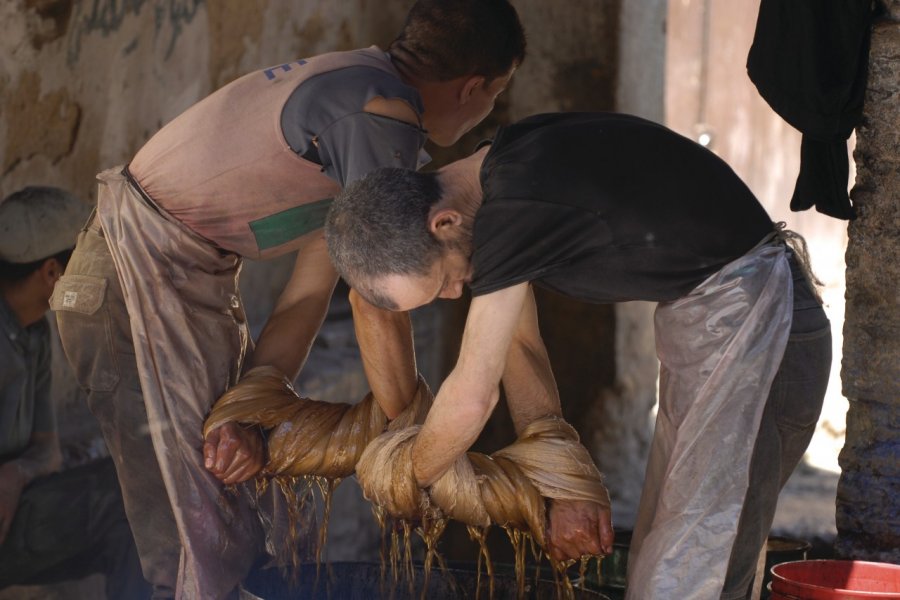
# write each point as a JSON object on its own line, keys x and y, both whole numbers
{"x": 506, "y": 488}
{"x": 308, "y": 437}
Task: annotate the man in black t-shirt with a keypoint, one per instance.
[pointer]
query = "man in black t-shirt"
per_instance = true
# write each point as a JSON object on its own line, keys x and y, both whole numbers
{"x": 608, "y": 208}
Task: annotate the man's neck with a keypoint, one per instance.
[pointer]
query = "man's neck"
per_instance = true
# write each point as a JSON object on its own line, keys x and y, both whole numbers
{"x": 461, "y": 182}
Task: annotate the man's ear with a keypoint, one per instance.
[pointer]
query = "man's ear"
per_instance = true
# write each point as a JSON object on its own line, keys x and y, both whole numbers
{"x": 443, "y": 223}
{"x": 469, "y": 87}
{"x": 50, "y": 271}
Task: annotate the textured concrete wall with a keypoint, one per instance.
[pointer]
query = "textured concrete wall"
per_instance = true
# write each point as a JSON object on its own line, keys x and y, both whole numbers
{"x": 85, "y": 82}
{"x": 868, "y": 503}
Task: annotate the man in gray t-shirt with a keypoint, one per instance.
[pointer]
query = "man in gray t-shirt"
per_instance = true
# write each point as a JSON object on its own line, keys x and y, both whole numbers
{"x": 53, "y": 526}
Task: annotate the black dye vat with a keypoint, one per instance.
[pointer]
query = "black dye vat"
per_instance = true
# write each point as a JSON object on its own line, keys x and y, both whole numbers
{"x": 363, "y": 581}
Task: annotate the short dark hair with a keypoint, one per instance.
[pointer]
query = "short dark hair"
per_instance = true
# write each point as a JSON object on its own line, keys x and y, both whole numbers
{"x": 446, "y": 39}
{"x": 17, "y": 272}
{"x": 378, "y": 226}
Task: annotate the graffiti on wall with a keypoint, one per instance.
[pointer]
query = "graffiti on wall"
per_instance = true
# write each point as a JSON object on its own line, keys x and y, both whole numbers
{"x": 103, "y": 17}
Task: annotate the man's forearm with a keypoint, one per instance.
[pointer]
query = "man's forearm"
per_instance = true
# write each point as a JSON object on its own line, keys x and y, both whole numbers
{"x": 528, "y": 381}
{"x": 386, "y": 345}
{"x": 286, "y": 339}
{"x": 530, "y": 387}
{"x": 470, "y": 393}
{"x": 460, "y": 411}
{"x": 288, "y": 336}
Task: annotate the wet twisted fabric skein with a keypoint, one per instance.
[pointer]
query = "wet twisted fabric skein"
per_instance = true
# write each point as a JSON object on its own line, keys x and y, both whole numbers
{"x": 506, "y": 488}
{"x": 308, "y": 437}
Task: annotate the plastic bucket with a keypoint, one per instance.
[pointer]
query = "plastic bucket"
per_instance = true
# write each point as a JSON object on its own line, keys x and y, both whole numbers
{"x": 835, "y": 580}
{"x": 781, "y": 549}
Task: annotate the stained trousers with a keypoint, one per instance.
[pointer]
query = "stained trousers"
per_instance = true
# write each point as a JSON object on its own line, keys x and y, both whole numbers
{"x": 96, "y": 332}
{"x": 96, "y": 337}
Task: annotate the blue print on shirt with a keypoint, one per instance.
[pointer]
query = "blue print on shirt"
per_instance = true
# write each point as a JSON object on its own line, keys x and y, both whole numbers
{"x": 271, "y": 71}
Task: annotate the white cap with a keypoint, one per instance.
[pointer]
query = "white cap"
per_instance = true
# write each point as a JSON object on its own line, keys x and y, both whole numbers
{"x": 38, "y": 222}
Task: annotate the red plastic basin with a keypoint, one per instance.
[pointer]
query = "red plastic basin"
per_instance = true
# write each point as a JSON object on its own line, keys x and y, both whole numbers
{"x": 836, "y": 580}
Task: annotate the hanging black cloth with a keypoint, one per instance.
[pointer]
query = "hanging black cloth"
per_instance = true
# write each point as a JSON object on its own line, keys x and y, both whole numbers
{"x": 809, "y": 60}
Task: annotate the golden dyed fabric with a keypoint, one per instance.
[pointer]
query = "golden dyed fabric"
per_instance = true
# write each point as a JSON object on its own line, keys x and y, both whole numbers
{"x": 308, "y": 437}
{"x": 506, "y": 488}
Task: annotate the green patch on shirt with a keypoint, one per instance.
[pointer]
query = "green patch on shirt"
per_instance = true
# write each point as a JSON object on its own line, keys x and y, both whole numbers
{"x": 290, "y": 224}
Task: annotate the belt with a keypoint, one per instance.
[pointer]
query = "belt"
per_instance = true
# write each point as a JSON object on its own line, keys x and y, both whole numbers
{"x": 126, "y": 173}
{"x": 93, "y": 224}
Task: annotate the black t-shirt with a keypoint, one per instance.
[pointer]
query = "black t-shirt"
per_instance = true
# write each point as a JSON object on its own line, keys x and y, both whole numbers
{"x": 606, "y": 208}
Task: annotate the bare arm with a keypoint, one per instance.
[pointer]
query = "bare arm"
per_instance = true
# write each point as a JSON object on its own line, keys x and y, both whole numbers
{"x": 232, "y": 453}
{"x": 470, "y": 393}
{"x": 528, "y": 381}
{"x": 389, "y": 360}
{"x": 41, "y": 457}
{"x": 575, "y": 527}
{"x": 288, "y": 336}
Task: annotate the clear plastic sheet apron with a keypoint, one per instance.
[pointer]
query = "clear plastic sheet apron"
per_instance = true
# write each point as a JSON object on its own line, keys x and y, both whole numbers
{"x": 190, "y": 339}
{"x": 719, "y": 349}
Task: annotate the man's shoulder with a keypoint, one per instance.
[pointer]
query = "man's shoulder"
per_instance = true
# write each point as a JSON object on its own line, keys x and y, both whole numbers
{"x": 355, "y": 85}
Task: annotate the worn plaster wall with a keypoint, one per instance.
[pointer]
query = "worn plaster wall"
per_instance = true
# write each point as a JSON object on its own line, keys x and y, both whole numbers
{"x": 85, "y": 82}
{"x": 868, "y": 501}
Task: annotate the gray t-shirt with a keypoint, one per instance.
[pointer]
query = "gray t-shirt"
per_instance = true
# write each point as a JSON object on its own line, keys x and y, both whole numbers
{"x": 25, "y": 404}
{"x": 349, "y": 142}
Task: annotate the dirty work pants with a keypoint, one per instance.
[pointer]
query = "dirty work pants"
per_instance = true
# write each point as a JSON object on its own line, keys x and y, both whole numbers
{"x": 176, "y": 298}
{"x": 96, "y": 337}
{"x": 70, "y": 525}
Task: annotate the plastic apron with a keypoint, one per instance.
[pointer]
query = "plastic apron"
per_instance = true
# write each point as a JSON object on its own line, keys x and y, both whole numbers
{"x": 719, "y": 348}
{"x": 190, "y": 340}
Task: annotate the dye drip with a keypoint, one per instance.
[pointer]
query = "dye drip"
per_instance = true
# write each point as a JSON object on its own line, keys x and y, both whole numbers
{"x": 479, "y": 535}
{"x": 507, "y": 488}
{"x": 312, "y": 443}
{"x": 304, "y": 436}
{"x": 320, "y": 443}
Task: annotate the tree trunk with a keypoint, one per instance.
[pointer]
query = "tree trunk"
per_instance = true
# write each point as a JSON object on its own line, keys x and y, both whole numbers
{"x": 868, "y": 501}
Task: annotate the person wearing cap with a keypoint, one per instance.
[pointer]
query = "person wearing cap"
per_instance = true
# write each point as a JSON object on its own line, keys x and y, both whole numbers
{"x": 604, "y": 208}
{"x": 154, "y": 326}
{"x": 53, "y": 526}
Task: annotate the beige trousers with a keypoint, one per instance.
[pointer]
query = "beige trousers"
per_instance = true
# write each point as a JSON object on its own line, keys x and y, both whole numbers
{"x": 189, "y": 337}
